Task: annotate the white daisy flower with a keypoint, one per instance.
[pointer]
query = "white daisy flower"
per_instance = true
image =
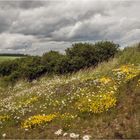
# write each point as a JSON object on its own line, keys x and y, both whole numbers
{"x": 58, "y": 132}
{"x": 74, "y": 136}
{"x": 86, "y": 137}
{"x": 4, "y": 135}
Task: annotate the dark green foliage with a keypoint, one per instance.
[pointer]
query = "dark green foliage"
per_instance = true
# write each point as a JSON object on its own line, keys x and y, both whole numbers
{"x": 50, "y": 60}
{"x": 85, "y": 55}
{"x": 79, "y": 56}
{"x": 7, "y": 67}
{"x": 106, "y": 50}
{"x": 31, "y": 68}
{"x": 25, "y": 68}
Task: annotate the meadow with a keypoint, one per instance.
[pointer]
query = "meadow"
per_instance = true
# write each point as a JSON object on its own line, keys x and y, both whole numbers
{"x": 9, "y": 57}
{"x": 93, "y": 103}
{"x": 5, "y": 58}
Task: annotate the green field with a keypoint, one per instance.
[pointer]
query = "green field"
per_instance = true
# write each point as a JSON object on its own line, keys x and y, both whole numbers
{"x": 5, "y": 58}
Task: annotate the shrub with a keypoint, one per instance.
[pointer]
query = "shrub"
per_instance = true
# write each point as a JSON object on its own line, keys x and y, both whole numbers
{"x": 105, "y": 50}
{"x": 31, "y": 68}
{"x": 7, "y": 67}
{"x": 85, "y": 55}
{"x": 50, "y": 60}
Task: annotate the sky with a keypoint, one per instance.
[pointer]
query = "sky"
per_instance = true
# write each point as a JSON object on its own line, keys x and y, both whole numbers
{"x": 35, "y": 26}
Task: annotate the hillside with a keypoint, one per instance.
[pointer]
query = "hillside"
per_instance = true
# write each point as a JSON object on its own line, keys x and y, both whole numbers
{"x": 99, "y": 103}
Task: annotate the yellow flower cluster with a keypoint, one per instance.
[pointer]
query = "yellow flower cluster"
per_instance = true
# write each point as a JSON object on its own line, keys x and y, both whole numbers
{"x": 105, "y": 80}
{"x": 34, "y": 121}
{"x": 127, "y": 71}
{"x": 97, "y": 103}
{"x": 4, "y": 118}
{"x": 123, "y": 69}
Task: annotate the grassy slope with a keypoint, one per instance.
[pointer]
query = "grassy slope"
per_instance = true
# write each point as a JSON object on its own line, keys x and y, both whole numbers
{"x": 46, "y": 95}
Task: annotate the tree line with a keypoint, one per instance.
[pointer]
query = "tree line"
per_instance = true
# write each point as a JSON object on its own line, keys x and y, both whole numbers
{"x": 80, "y": 55}
{"x": 13, "y": 54}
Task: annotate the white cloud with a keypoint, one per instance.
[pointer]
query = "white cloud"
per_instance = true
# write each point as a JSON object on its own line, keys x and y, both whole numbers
{"x": 15, "y": 41}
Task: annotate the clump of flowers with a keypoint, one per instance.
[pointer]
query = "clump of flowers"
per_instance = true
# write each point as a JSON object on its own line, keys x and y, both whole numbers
{"x": 34, "y": 121}
{"x": 126, "y": 72}
{"x": 96, "y": 104}
{"x": 105, "y": 80}
{"x": 58, "y": 132}
{"x": 4, "y": 118}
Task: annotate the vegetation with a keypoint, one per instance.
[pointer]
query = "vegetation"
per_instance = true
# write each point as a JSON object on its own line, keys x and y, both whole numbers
{"x": 131, "y": 55}
{"x": 98, "y": 102}
{"x": 81, "y": 55}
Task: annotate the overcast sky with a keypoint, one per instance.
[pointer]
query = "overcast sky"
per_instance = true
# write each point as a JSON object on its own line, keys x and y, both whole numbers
{"x": 36, "y": 26}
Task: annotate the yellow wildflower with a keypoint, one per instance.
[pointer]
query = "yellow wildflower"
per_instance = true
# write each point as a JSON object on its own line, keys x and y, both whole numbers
{"x": 4, "y": 118}
{"x": 37, "y": 120}
{"x": 105, "y": 80}
{"x": 97, "y": 104}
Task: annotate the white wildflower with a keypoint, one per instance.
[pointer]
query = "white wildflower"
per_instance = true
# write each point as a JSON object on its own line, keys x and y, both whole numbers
{"x": 65, "y": 134}
{"x": 4, "y": 135}
{"x": 86, "y": 137}
{"x": 58, "y": 132}
{"x": 73, "y": 135}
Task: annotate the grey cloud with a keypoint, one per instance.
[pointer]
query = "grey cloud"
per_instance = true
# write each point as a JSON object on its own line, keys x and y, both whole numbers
{"x": 23, "y": 4}
{"x": 36, "y": 26}
{"x": 44, "y": 21}
{"x": 7, "y": 18}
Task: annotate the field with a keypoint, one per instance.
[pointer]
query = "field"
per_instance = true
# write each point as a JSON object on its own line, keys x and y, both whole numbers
{"x": 5, "y": 58}
{"x": 93, "y": 103}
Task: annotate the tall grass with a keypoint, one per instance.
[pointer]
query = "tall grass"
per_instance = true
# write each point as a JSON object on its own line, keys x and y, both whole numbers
{"x": 130, "y": 55}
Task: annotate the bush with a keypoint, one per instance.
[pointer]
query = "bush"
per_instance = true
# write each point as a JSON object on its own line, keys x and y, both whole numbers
{"x": 85, "y": 55}
{"x": 50, "y": 60}
{"x": 81, "y": 55}
{"x": 7, "y": 67}
{"x": 31, "y": 68}
{"x": 106, "y": 50}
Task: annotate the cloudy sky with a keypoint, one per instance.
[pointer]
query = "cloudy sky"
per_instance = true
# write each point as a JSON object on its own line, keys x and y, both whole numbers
{"x": 34, "y": 26}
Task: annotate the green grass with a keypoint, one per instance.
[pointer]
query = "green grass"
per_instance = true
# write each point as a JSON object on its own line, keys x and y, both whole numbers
{"x": 130, "y": 55}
